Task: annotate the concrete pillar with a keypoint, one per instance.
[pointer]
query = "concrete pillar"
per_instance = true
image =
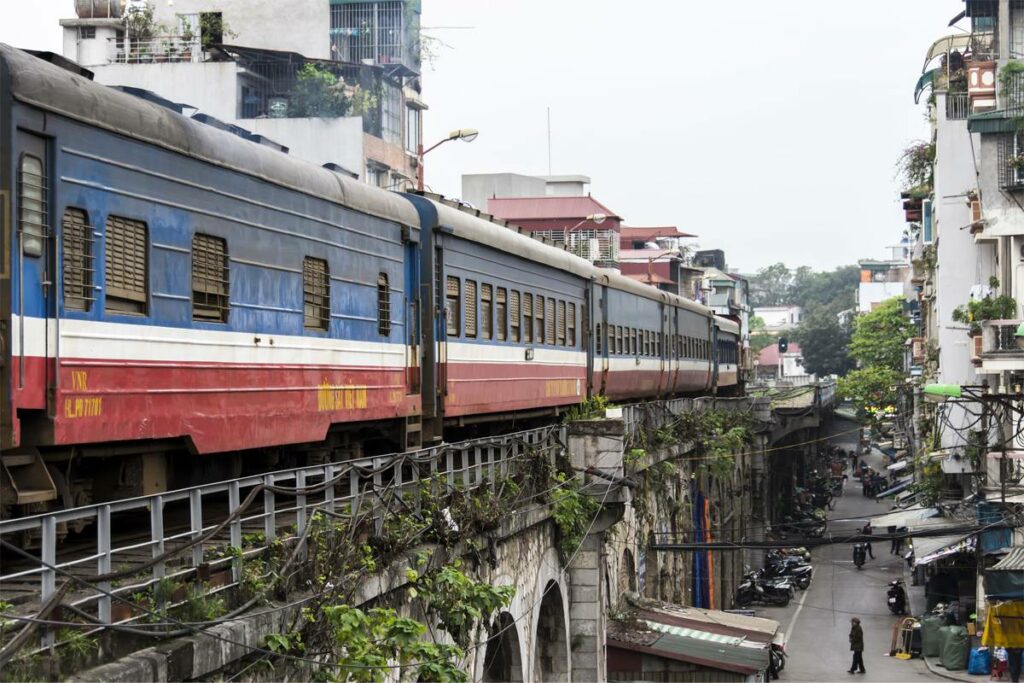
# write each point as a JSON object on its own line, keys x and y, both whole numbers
{"x": 1004, "y": 29}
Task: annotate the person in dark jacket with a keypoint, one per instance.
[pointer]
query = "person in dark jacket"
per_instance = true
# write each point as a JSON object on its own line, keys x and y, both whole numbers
{"x": 857, "y": 646}
{"x": 867, "y": 532}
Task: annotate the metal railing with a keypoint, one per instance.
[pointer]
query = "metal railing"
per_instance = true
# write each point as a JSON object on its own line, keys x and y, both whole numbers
{"x": 1000, "y": 337}
{"x": 958, "y": 106}
{"x": 155, "y": 51}
{"x": 172, "y": 534}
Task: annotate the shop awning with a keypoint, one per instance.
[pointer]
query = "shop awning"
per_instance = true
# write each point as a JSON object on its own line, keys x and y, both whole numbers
{"x": 906, "y": 499}
{"x": 932, "y": 548}
{"x": 900, "y": 485}
{"x": 897, "y": 466}
{"x": 900, "y": 518}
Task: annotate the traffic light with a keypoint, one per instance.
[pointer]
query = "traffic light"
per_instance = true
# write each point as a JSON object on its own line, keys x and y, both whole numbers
{"x": 783, "y": 344}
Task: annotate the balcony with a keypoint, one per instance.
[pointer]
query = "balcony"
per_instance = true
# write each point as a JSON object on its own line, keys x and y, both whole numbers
{"x": 601, "y": 247}
{"x": 161, "y": 50}
{"x": 958, "y": 106}
{"x": 1004, "y": 469}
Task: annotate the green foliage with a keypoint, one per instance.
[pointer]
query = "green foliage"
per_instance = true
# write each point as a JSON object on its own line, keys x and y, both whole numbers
{"x": 770, "y": 286}
{"x": 879, "y": 336}
{"x": 777, "y": 285}
{"x": 930, "y": 481}
{"x": 760, "y": 337}
{"x": 573, "y": 512}
{"x": 317, "y": 93}
{"x": 719, "y": 435}
{"x": 871, "y": 389}
{"x": 214, "y": 29}
{"x": 457, "y": 602}
{"x": 989, "y": 307}
{"x": 139, "y": 23}
{"x": 590, "y": 409}
{"x": 824, "y": 343}
{"x": 634, "y": 455}
{"x": 914, "y": 168}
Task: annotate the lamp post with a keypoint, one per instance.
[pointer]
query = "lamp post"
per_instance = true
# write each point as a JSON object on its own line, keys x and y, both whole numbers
{"x": 464, "y": 134}
{"x": 652, "y": 259}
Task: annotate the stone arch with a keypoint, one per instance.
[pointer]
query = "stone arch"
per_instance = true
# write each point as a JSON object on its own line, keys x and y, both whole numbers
{"x": 550, "y": 646}
{"x": 502, "y": 658}
{"x": 627, "y": 574}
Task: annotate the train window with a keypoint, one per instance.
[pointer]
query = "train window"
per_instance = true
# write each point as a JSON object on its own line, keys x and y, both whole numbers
{"x": 538, "y": 316}
{"x": 561, "y": 323}
{"x": 469, "y": 308}
{"x": 597, "y": 338}
{"x": 209, "y": 278}
{"x": 33, "y": 215}
{"x": 76, "y": 260}
{"x": 571, "y": 322}
{"x": 634, "y": 343}
{"x": 451, "y": 306}
{"x": 316, "y": 294}
{"x": 486, "y": 310}
{"x": 549, "y": 319}
{"x": 501, "y": 314}
{"x": 383, "y": 306}
{"x": 126, "y": 273}
{"x": 528, "y": 318}
{"x": 618, "y": 339}
{"x": 513, "y": 317}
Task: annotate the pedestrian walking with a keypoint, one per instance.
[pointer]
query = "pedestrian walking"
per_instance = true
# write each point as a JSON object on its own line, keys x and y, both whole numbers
{"x": 1014, "y": 656}
{"x": 893, "y": 547}
{"x": 857, "y": 646}
{"x": 866, "y": 531}
{"x": 899, "y": 540}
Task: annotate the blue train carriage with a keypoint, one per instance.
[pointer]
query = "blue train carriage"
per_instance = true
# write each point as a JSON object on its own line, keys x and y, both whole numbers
{"x": 727, "y": 355}
{"x": 649, "y": 343}
{"x": 507, "y": 336}
{"x": 171, "y": 290}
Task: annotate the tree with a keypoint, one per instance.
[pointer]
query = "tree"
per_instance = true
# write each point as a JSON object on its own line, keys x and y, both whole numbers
{"x": 760, "y": 337}
{"x": 872, "y": 389}
{"x": 824, "y": 343}
{"x": 833, "y": 290}
{"x": 879, "y": 337}
{"x": 770, "y": 286}
{"x": 317, "y": 93}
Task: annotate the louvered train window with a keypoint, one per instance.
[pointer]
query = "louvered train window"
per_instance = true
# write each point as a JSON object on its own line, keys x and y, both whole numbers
{"x": 528, "y": 318}
{"x": 127, "y": 277}
{"x": 451, "y": 306}
{"x": 513, "y": 315}
{"x": 470, "y": 309}
{"x": 597, "y": 339}
{"x": 561, "y": 323}
{"x": 210, "y": 294}
{"x": 572, "y": 324}
{"x": 33, "y": 200}
{"x": 316, "y": 294}
{"x": 501, "y": 314}
{"x": 549, "y": 316}
{"x": 76, "y": 260}
{"x": 486, "y": 307}
{"x": 383, "y": 306}
{"x": 538, "y": 317}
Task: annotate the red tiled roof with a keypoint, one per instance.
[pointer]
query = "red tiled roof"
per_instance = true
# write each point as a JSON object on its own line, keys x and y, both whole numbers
{"x": 649, "y": 234}
{"x": 770, "y": 354}
{"x": 541, "y": 208}
{"x": 652, "y": 279}
{"x": 641, "y": 255}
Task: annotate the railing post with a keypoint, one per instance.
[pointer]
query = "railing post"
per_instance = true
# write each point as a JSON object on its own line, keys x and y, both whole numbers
{"x": 269, "y": 510}
{"x": 236, "y": 529}
{"x": 329, "y": 472}
{"x": 301, "y": 518}
{"x": 48, "y": 577}
{"x": 195, "y": 515}
{"x": 103, "y": 561}
{"x": 353, "y": 491}
{"x": 378, "y": 518}
{"x": 156, "y": 526}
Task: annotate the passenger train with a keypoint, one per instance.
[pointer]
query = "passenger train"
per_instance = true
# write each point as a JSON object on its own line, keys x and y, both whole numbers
{"x": 178, "y": 301}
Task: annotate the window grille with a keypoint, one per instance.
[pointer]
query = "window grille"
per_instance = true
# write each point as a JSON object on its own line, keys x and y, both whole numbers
{"x": 451, "y": 307}
{"x": 549, "y": 316}
{"x": 486, "y": 311}
{"x": 383, "y": 306}
{"x": 33, "y": 211}
{"x": 528, "y": 318}
{"x": 572, "y": 325}
{"x": 368, "y": 30}
{"x": 1011, "y": 160}
{"x": 501, "y": 314}
{"x": 514, "y": 313}
{"x": 210, "y": 283}
{"x": 561, "y": 323}
{"x": 538, "y": 316}
{"x": 391, "y": 113}
{"x": 77, "y": 260}
{"x": 470, "y": 309}
{"x": 316, "y": 293}
{"x": 127, "y": 277}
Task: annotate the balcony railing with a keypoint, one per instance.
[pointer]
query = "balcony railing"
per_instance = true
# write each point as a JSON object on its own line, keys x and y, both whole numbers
{"x": 598, "y": 246}
{"x": 958, "y": 106}
{"x": 155, "y": 51}
{"x": 999, "y": 337}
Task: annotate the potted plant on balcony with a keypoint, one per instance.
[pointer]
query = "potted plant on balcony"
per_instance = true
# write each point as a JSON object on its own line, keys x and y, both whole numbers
{"x": 989, "y": 307}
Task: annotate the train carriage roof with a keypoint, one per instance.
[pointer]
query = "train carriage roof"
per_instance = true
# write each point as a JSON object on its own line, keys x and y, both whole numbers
{"x": 38, "y": 83}
{"x": 727, "y": 325}
{"x": 476, "y": 229}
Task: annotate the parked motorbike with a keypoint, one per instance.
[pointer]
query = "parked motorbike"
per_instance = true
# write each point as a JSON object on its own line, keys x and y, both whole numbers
{"x": 750, "y": 592}
{"x": 797, "y": 551}
{"x": 860, "y": 554}
{"x": 798, "y": 573}
{"x": 778, "y": 659}
{"x": 897, "y": 597}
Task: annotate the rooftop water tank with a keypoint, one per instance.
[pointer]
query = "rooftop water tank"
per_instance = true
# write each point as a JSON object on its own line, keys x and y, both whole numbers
{"x": 99, "y": 9}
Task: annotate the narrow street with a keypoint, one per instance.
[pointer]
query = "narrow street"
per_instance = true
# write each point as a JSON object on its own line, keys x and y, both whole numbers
{"x": 817, "y": 622}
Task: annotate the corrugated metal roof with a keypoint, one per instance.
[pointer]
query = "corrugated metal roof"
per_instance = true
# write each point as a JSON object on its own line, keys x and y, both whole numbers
{"x": 541, "y": 208}
{"x": 1013, "y": 562}
{"x": 632, "y": 233}
{"x": 991, "y": 122}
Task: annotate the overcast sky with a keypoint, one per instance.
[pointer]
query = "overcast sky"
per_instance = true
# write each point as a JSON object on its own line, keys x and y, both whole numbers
{"x": 771, "y": 129}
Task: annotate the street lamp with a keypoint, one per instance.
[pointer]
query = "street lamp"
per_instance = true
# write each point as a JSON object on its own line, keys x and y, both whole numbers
{"x": 652, "y": 259}
{"x": 464, "y": 134}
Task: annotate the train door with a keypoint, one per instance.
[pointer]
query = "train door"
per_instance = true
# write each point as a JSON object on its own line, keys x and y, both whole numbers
{"x": 601, "y": 316}
{"x": 413, "y": 437}
{"x": 675, "y": 352}
{"x": 662, "y": 348}
{"x": 714, "y": 357}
